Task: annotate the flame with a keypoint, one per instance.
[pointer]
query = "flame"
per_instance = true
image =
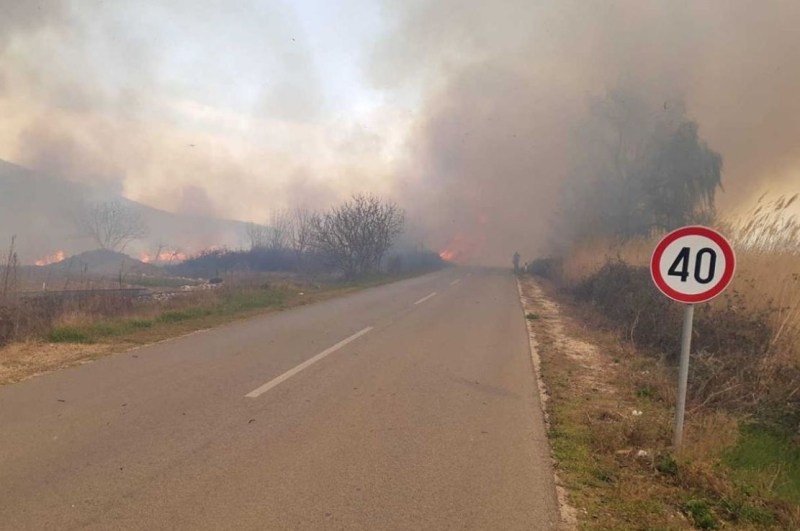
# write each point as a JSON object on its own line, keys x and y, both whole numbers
{"x": 163, "y": 257}
{"x": 448, "y": 255}
{"x": 57, "y": 256}
{"x": 464, "y": 247}
{"x": 457, "y": 249}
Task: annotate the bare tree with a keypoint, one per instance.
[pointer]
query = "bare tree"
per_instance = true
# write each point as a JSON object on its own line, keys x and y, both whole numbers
{"x": 10, "y": 268}
{"x": 355, "y": 235}
{"x": 280, "y": 229}
{"x": 301, "y": 231}
{"x": 258, "y": 235}
{"x": 112, "y": 224}
{"x": 164, "y": 254}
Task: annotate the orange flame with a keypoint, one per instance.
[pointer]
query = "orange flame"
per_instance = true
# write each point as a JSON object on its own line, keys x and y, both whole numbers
{"x": 458, "y": 249}
{"x": 448, "y": 255}
{"x": 463, "y": 247}
{"x": 163, "y": 257}
{"x": 57, "y": 256}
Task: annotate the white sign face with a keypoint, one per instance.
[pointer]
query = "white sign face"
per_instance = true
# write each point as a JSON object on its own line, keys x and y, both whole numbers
{"x": 692, "y": 264}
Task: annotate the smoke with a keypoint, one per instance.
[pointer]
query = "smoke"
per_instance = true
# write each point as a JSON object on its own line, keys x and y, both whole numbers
{"x": 218, "y": 107}
{"x": 198, "y": 107}
{"x": 506, "y": 90}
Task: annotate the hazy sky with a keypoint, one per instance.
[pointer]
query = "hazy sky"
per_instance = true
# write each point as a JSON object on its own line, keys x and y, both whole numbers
{"x": 231, "y": 108}
{"x": 465, "y": 111}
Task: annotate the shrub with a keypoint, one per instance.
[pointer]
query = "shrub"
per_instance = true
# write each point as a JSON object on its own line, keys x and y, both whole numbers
{"x": 730, "y": 342}
{"x": 700, "y": 513}
{"x": 545, "y": 267}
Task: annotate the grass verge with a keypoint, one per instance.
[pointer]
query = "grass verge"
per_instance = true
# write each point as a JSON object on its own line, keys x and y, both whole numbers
{"x": 610, "y": 412}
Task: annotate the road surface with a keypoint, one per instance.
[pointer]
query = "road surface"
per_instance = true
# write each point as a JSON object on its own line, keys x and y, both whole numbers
{"x": 406, "y": 406}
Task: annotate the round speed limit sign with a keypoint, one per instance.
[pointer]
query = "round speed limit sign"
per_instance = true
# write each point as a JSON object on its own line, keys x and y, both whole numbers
{"x": 693, "y": 264}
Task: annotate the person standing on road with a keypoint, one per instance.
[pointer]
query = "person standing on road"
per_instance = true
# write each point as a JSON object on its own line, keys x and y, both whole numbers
{"x": 516, "y": 262}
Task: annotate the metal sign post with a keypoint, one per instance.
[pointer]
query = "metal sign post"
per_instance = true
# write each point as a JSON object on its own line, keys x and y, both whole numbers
{"x": 683, "y": 374}
{"x": 691, "y": 265}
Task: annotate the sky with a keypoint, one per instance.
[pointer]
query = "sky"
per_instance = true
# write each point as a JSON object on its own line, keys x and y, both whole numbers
{"x": 466, "y": 112}
{"x": 265, "y": 97}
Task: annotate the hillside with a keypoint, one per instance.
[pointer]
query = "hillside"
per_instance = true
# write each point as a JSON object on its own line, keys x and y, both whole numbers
{"x": 39, "y": 210}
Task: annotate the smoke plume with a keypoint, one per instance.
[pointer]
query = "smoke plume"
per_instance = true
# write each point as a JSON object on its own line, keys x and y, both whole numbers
{"x": 506, "y": 90}
{"x": 192, "y": 106}
{"x": 213, "y": 107}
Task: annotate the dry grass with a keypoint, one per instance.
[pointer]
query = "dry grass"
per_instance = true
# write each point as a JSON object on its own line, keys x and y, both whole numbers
{"x": 773, "y": 280}
{"x": 20, "y": 361}
{"x": 766, "y": 285}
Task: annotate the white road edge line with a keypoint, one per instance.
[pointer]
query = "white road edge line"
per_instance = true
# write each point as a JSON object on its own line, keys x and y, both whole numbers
{"x": 423, "y": 299}
{"x": 456, "y": 281}
{"x": 255, "y": 393}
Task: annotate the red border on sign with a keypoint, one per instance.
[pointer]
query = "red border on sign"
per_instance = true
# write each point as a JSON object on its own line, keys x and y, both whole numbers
{"x": 695, "y": 230}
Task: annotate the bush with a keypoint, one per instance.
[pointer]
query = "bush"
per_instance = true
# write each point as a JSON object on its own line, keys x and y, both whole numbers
{"x": 550, "y": 268}
{"x": 729, "y": 344}
{"x": 627, "y": 297}
{"x": 700, "y": 513}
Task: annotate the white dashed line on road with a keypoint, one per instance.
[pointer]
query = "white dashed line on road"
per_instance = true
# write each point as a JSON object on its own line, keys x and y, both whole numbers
{"x": 423, "y": 299}
{"x": 291, "y": 372}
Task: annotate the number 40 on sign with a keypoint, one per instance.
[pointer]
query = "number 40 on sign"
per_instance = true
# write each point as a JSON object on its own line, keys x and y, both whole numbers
{"x": 691, "y": 265}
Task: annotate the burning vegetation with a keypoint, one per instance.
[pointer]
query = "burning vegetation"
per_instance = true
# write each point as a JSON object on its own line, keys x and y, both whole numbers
{"x": 56, "y": 257}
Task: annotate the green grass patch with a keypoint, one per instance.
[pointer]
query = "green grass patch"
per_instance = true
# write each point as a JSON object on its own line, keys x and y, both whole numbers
{"x": 767, "y": 463}
{"x": 741, "y": 511}
{"x": 646, "y": 391}
{"x": 93, "y": 332}
{"x": 141, "y": 324}
{"x": 68, "y": 334}
{"x": 178, "y": 316}
{"x": 228, "y": 305}
{"x": 253, "y": 300}
{"x": 666, "y": 465}
{"x": 699, "y": 511}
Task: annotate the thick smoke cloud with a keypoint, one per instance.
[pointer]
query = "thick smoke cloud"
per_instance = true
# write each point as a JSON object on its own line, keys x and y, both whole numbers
{"x": 213, "y": 107}
{"x": 193, "y": 106}
{"x": 506, "y": 89}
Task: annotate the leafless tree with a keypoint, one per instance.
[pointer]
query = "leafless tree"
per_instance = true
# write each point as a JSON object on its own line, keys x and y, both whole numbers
{"x": 258, "y": 235}
{"x": 355, "y": 235}
{"x": 165, "y": 254}
{"x": 10, "y": 269}
{"x": 301, "y": 231}
{"x": 280, "y": 229}
{"x": 111, "y": 224}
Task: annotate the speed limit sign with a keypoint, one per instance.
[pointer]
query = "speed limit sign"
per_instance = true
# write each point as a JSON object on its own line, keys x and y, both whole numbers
{"x": 693, "y": 264}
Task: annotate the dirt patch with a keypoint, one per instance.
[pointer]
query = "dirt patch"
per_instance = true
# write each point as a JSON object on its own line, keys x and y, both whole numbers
{"x": 596, "y": 369}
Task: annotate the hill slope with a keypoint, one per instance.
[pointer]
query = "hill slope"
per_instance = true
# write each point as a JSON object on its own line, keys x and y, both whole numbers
{"x": 39, "y": 210}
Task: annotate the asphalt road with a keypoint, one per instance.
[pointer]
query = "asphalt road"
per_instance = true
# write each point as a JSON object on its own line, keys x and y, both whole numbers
{"x": 406, "y": 406}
